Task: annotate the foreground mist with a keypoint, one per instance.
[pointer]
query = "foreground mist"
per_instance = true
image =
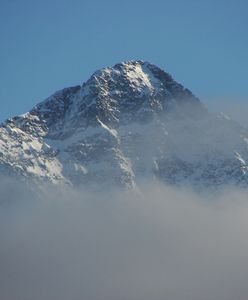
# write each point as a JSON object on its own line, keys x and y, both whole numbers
{"x": 160, "y": 243}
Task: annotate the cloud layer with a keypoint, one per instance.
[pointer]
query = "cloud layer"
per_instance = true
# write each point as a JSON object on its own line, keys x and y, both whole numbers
{"x": 162, "y": 243}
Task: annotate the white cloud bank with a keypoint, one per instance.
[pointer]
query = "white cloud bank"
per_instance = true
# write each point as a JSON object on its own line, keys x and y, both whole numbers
{"x": 167, "y": 244}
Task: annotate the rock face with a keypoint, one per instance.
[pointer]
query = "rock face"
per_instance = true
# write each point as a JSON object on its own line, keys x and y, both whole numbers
{"x": 126, "y": 124}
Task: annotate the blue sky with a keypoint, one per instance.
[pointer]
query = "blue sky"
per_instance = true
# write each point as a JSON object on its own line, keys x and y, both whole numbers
{"x": 48, "y": 45}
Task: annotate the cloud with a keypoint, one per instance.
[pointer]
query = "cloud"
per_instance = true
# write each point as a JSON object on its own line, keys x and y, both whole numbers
{"x": 163, "y": 243}
{"x": 235, "y": 108}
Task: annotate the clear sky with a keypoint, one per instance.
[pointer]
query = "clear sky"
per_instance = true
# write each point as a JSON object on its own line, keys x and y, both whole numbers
{"x": 50, "y": 44}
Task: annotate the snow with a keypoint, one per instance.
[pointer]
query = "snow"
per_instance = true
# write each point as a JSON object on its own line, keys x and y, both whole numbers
{"x": 78, "y": 141}
{"x": 113, "y": 132}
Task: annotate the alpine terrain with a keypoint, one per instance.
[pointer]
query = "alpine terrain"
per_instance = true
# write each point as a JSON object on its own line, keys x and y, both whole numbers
{"x": 127, "y": 124}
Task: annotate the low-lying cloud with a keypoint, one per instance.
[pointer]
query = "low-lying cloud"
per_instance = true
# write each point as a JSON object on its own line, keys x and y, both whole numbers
{"x": 235, "y": 108}
{"x": 162, "y": 243}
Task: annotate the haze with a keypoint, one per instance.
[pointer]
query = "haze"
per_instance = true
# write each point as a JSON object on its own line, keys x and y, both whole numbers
{"x": 158, "y": 243}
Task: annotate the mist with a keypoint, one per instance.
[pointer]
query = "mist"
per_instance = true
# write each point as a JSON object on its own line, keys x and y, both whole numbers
{"x": 235, "y": 108}
{"x": 158, "y": 243}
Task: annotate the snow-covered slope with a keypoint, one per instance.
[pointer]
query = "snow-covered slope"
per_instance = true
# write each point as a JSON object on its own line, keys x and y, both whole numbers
{"x": 128, "y": 123}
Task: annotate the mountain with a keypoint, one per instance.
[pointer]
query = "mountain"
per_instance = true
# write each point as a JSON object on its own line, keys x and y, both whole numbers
{"x": 127, "y": 124}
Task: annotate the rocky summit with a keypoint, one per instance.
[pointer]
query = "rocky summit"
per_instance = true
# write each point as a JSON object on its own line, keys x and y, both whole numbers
{"x": 127, "y": 124}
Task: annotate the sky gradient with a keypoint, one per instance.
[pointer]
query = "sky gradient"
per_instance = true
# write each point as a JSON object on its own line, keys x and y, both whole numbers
{"x": 49, "y": 45}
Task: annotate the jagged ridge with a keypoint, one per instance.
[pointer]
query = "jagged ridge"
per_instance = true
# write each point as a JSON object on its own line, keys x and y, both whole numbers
{"x": 127, "y": 123}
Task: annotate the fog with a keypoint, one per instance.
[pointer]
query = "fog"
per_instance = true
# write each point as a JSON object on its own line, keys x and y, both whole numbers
{"x": 235, "y": 108}
{"x": 158, "y": 243}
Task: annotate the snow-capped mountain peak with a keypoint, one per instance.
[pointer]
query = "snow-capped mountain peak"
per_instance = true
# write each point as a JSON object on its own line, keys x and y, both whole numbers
{"x": 127, "y": 123}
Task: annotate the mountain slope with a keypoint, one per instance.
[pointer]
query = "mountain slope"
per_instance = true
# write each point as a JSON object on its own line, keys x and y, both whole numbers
{"x": 128, "y": 123}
